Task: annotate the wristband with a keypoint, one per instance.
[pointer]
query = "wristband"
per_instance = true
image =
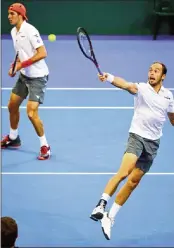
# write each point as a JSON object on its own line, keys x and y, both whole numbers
{"x": 26, "y": 63}
{"x": 110, "y": 78}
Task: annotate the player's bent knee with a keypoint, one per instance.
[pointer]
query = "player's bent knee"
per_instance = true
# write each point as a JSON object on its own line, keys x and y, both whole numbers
{"x": 122, "y": 175}
{"x": 132, "y": 183}
{"x": 32, "y": 110}
{"x": 13, "y": 106}
{"x": 32, "y": 113}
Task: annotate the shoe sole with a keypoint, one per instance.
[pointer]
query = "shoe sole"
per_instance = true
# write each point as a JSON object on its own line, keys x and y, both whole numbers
{"x": 92, "y": 218}
{"x": 43, "y": 158}
{"x": 10, "y": 147}
{"x": 97, "y": 216}
{"x": 106, "y": 236}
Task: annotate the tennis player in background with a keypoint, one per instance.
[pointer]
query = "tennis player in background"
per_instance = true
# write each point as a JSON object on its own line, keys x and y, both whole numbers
{"x": 152, "y": 103}
{"x": 32, "y": 79}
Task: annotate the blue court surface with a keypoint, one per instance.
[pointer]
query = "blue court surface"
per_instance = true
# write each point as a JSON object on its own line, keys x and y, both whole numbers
{"x": 86, "y": 123}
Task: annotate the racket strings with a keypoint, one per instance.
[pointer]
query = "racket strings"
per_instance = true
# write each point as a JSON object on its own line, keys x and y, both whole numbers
{"x": 85, "y": 44}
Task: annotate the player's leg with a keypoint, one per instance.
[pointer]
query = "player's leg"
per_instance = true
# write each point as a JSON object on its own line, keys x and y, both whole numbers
{"x": 133, "y": 152}
{"x": 32, "y": 112}
{"x": 37, "y": 87}
{"x": 13, "y": 108}
{"x": 121, "y": 197}
{"x": 127, "y": 165}
{"x": 126, "y": 190}
{"x": 19, "y": 93}
{"x": 143, "y": 165}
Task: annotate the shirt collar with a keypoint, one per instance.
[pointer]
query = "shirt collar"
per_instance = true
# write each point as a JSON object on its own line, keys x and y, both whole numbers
{"x": 161, "y": 89}
{"x": 22, "y": 26}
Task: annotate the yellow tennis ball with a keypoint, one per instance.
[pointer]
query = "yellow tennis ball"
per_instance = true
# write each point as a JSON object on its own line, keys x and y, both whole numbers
{"x": 51, "y": 37}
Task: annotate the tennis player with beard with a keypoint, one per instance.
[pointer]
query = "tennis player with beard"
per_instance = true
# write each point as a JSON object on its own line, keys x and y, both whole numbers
{"x": 152, "y": 104}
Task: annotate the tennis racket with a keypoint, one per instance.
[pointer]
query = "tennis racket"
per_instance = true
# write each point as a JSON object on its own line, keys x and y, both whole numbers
{"x": 86, "y": 47}
{"x": 14, "y": 63}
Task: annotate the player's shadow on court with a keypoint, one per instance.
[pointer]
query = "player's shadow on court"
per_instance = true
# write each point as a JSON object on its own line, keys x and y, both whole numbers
{"x": 25, "y": 158}
{"x": 11, "y": 160}
{"x": 17, "y": 150}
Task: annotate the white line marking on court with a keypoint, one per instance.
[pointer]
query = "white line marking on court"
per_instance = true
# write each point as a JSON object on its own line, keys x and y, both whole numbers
{"x": 81, "y": 173}
{"x": 71, "y": 107}
{"x": 79, "y": 89}
{"x": 84, "y": 89}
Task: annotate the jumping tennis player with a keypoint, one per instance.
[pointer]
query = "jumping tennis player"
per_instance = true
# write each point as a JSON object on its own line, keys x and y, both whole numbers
{"x": 152, "y": 103}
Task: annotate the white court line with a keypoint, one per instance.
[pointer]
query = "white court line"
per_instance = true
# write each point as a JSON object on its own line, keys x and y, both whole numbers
{"x": 85, "y": 89}
{"x": 67, "y": 107}
{"x": 78, "y": 89}
{"x": 81, "y": 173}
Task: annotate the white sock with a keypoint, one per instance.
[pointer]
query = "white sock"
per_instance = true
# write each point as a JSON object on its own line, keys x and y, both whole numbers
{"x": 105, "y": 197}
{"x": 43, "y": 141}
{"x": 13, "y": 134}
{"x": 114, "y": 210}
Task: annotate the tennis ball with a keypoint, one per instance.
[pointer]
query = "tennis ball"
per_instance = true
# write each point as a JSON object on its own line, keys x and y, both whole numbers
{"x": 51, "y": 37}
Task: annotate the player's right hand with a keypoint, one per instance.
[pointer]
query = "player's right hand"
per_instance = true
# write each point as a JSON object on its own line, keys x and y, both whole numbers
{"x": 103, "y": 77}
{"x": 10, "y": 73}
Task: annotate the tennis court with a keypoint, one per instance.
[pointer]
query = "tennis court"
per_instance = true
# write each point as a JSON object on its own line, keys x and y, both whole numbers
{"x": 86, "y": 123}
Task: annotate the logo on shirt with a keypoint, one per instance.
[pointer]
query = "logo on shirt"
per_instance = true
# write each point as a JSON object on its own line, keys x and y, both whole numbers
{"x": 167, "y": 97}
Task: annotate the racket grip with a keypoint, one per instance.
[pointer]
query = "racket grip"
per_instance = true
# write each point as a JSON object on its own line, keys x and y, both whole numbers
{"x": 99, "y": 71}
{"x": 14, "y": 63}
{"x": 13, "y": 68}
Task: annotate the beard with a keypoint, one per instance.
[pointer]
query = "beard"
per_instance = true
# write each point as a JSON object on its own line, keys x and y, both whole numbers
{"x": 155, "y": 83}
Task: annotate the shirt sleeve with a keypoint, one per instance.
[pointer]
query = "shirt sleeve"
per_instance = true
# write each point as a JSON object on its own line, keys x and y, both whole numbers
{"x": 140, "y": 86}
{"x": 35, "y": 38}
{"x": 170, "y": 108}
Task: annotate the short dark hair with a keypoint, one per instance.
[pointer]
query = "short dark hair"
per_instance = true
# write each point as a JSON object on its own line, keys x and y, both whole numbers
{"x": 9, "y": 232}
{"x": 164, "y": 68}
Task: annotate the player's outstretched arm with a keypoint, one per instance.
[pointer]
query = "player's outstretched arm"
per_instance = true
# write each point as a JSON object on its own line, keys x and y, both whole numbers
{"x": 119, "y": 82}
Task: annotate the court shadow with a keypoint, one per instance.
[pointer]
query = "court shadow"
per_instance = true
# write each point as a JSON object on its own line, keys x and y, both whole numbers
{"x": 17, "y": 150}
{"x": 11, "y": 156}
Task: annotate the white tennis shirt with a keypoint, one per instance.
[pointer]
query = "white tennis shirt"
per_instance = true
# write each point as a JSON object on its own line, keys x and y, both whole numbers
{"x": 150, "y": 111}
{"x": 26, "y": 41}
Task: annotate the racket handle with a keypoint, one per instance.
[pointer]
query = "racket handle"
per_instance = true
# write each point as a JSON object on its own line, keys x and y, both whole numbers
{"x": 13, "y": 68}
{"x": 14, "y": 64}
{"x": 99, "y": 70}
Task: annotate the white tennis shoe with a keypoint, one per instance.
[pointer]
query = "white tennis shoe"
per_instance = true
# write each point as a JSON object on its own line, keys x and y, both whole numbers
{"x": 97, "y": 213}
{"x": 107, "y": 224}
